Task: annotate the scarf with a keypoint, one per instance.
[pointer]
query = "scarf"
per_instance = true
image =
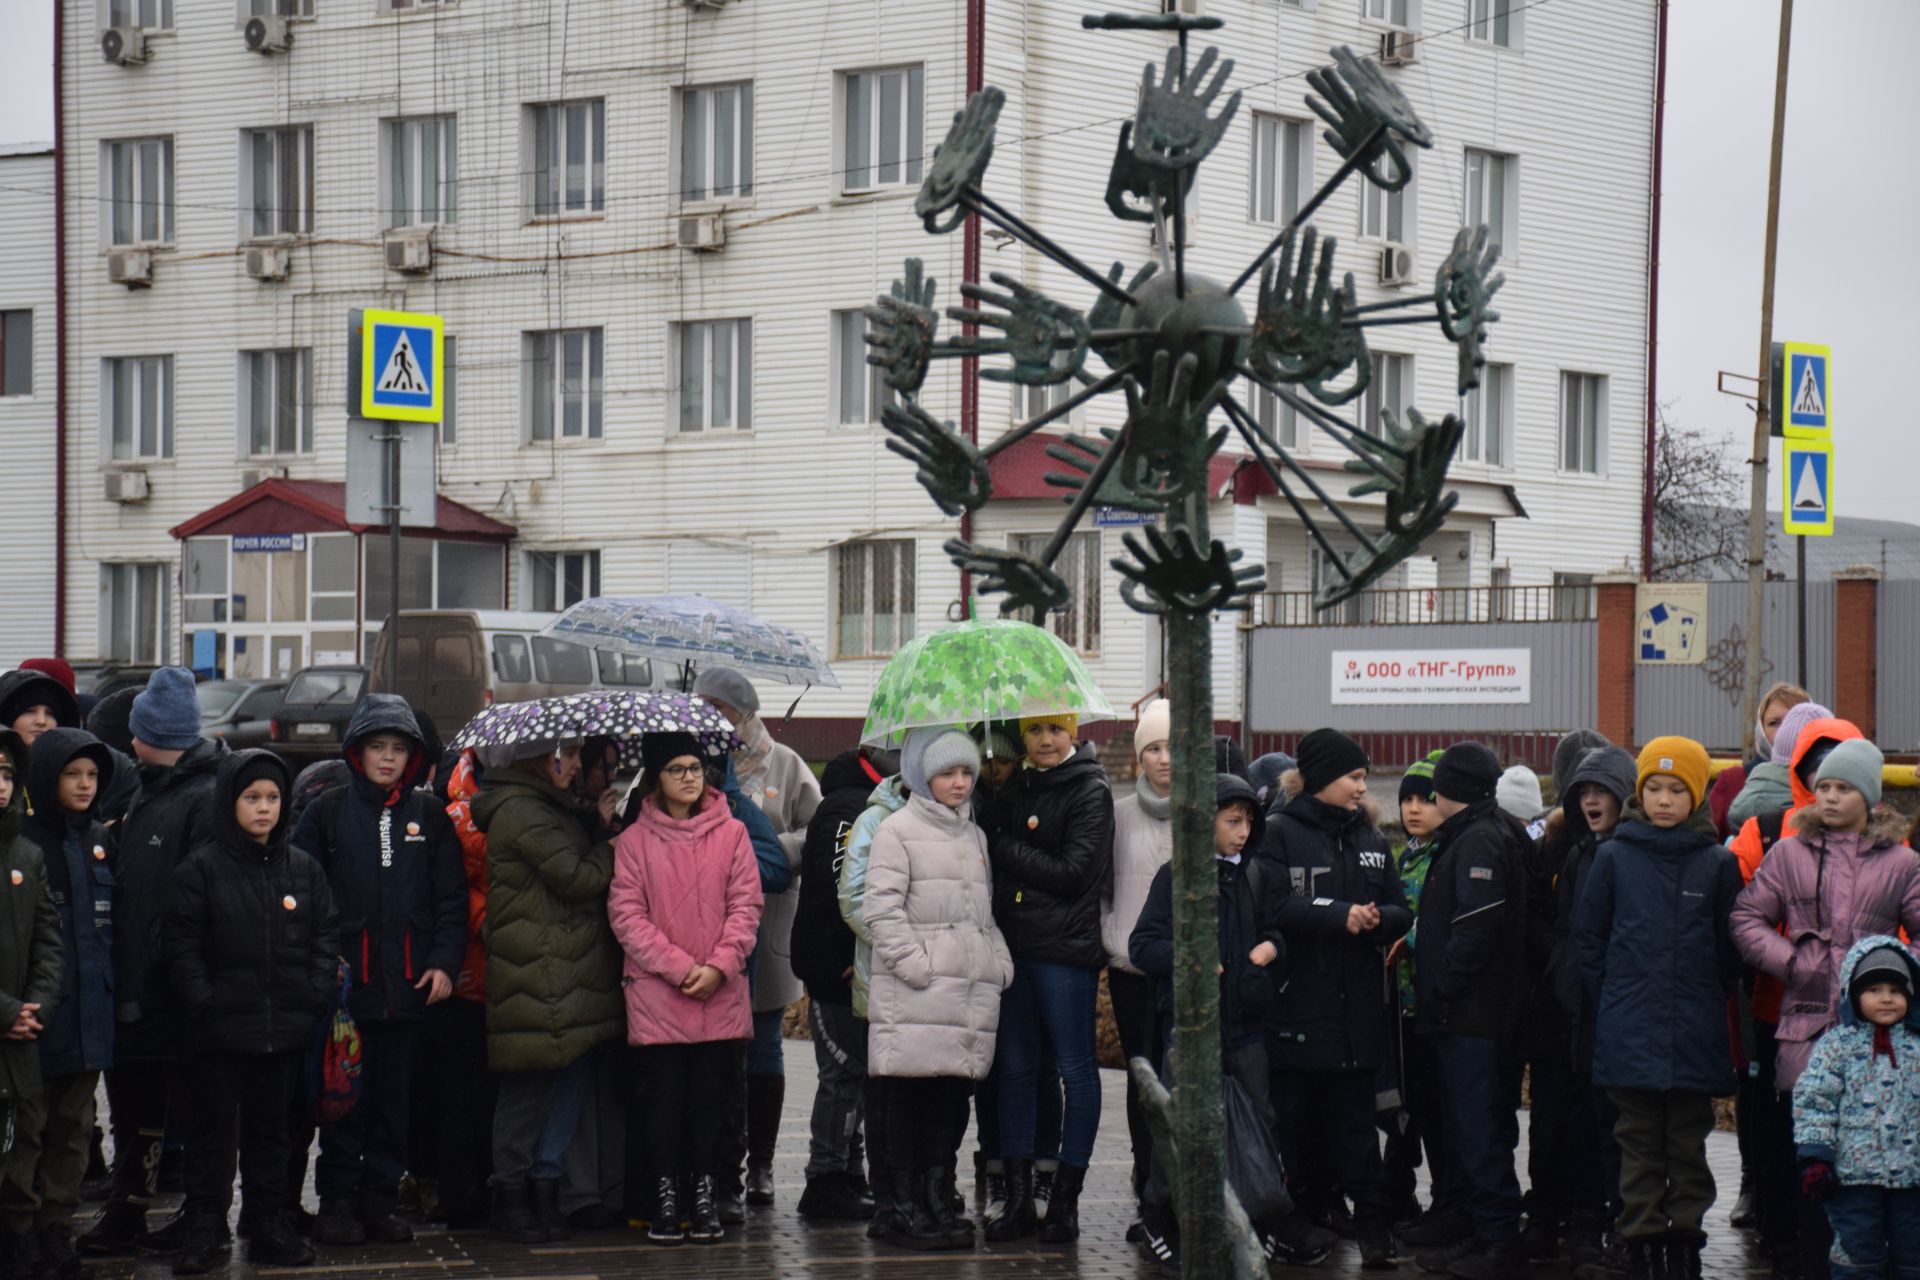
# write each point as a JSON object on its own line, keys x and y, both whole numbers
{"x": 751, "y": 762}
{"x": 1152, "y": 803}
{"x": 1883, "y": 1043}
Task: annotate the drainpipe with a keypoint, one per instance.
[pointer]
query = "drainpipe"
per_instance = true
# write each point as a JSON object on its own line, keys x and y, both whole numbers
{"x": 1653, "y": 300}
{"x": 970, "y": 273}
{"x": 59, "y": 338}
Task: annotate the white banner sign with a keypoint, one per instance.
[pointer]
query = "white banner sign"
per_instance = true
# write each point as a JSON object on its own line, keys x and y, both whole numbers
{"x": 1417, "y": 677}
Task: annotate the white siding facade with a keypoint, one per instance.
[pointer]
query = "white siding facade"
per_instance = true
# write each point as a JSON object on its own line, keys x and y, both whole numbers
{"x": 27, "y": 423}
{"x": 753, "y": 514}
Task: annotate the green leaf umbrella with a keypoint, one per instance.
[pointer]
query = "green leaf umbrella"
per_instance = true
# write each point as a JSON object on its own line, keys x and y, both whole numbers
{"x": 995, "y": 670}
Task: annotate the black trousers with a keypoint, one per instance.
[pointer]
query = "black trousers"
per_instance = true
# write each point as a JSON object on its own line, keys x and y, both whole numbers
{"x": 140, "y": 1096}
{"x": 925, "y": 1116}
{"x": 681, "y": 1119}
{"x": 453, "y": 1102}
{"x": 1566, "y": 1170}
{"x": 240, "y": 1108}
{"x": 363, "y": 1154}
{"x": 1333, "y": 1112}
{"x": 1136, "y": 1012}
{"x": 1424, "y": 1126}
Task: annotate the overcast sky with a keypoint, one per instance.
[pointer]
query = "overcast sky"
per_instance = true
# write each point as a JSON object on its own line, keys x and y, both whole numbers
{"x": 1850, "y": 189}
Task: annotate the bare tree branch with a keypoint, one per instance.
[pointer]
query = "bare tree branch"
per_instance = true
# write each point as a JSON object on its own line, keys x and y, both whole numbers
{"x": 1699, "y": 510}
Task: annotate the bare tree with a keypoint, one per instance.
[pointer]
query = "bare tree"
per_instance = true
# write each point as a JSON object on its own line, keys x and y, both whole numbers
{"x": 1699, "y": 516}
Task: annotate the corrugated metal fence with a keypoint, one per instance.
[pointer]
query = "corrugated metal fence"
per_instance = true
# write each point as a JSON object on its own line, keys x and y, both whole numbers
{"x": 1897, "y": 696}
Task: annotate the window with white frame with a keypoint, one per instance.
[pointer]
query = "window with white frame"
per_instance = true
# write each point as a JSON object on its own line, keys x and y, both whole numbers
{"x": 450, "y": 393}
{"x": 1281, "y": 420}
{"x": 556, "y": 580}
{"x": 16, "y": 353}
{"x": 1282, "y": 167}
{"x": 1079, "y": 565}
{"x": 1487, "y": 412}
{"x": 276, "y": 182}
{"x": 1388, "y": 390}
{"x": 568, "y": 165}
{"x": 882, "y": 128}
{"x": 150, "y": 14}
{"x": 1583, "y": 422}
{"x": 1030, "y": 402}
{"x": 1493, "y": 198}
{"x": 1387, "y": 215}
{"x": 135, "y": 604}
{"x": 136, "y": 408}
{"x": 422, "y": 170}
{"x": 1495, "y": 22}
{"x": 716, "y": 142}
{"x": 564, "y": 376}
{"x": 714, "y": 362}
{"x": 860, "y": 389}
{"x": 136, "y": 184}
{"x": 276, "y": 401}
{"x": 1398, "y": 13}
{"x": 873, "y": 597}
{"x": 283, "y": 8}
{"x": 408, "y": 6}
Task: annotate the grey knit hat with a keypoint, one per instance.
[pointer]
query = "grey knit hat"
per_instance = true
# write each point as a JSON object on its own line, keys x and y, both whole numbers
{"x": 1857, "y": 763}
{"x": 724, "y": 684}
{"x": 928, "y": 753}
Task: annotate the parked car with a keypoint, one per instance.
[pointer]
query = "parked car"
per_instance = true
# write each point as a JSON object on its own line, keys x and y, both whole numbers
{"x": 453, "y": 662}
{"x": 112, "y": 678}
{"x": 314, "y": 710}
{"x": 241, "y": 711}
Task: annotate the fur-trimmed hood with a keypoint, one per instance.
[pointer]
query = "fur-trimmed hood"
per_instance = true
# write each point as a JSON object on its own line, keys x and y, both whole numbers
{"x": 1289, "y": 791}
{"x": 1886, "y": 825}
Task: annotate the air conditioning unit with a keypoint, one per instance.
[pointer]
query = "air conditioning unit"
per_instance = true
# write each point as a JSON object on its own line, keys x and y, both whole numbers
{"x": 703, "y": 232}
{"x": 131, "y": 267}
{"x": 260, "y": 475}
{"x": 1397, "y": 48}
{"x": 126, "y": 486}
{"x": 1396, "y": 264}
{"x": 125, "y": 46}
{"x": 269, "y": 262}
{"x": 1193, "y": 230}
{"x": 269, "y": 33}
{"x": 410, "y": 251}
{"x": 705, "y": 6}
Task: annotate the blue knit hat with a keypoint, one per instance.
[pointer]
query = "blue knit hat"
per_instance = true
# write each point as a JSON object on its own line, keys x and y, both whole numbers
{"x": 167, "y": 714}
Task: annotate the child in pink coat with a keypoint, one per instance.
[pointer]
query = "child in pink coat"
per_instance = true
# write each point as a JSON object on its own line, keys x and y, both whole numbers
{"x": 685, "y": 905}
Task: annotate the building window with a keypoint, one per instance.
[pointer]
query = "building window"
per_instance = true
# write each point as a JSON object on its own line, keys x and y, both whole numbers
{"x": 1573, "y": 596}
{"x": 1282, "y": 167}
{"x": 151, "y": 14}
{"x": 873, "y": 597}
{"x": 1583, "y": 422}
{"x": 136, "y": 408}
{"x": 1496, "y": 22}
{"x": 715, "y": 363}
{"x": 556, "y": 580}
{"x": 276, "y": 401}
{"x": 1079, "y": 565}
{"x": 860, "y": 389}
{"x": 882, "y": 137}
{"x": 1387, "y": 215}
{"x": 135, "y": 607}
{"x": 422, "y": 171}
{"x": 16, "y": 353}
{"x": 569, "y": 163}
{"x": 284, "y": 8}
{"x": 276, "y": 182}
{"x": 450, "y": 393}
{"x": 1029, "y": 402}
{"x": 1397, "y": 13}
{"x": 1388, "y": 391}
{"x": 565, "y": 372}
{"x": 1493, "y": 198}
{"x": 136, "y": 181}
{"x": 1487, "y": 411}
{"x": 716, "y": 142}
{"x": 1281, "y": 420}
{"x": 408, "y": 6}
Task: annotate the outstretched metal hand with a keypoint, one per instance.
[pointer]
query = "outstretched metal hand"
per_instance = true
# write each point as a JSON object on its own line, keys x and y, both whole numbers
{"x": 1463, "y": 291}
{"x": 959, "y": 162}
{"x": 1174, "y": 576}
{"x": 1047, "y": 339}
{"x": 1300, "y": 332}
{"x": 1133, "y": 186}
{"x": 1027, "y": 583}
{"x": 1168, "y": 445}
{"x": 1171, "y": 128}
{"x": 1415, "y": 497}
{"x": 1108, "y": 312}
{"x": 1367, "y": 117}
{"x": 901, "y": 328}
{"x": 1083, "y": 455}
{"x": 949, "y": 467}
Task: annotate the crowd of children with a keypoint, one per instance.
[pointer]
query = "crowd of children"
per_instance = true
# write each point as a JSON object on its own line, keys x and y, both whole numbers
{"x": 596, "y": 973}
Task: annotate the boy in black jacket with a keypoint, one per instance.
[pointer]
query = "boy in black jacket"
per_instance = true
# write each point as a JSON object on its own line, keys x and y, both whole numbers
{"x": 393, "y": 863}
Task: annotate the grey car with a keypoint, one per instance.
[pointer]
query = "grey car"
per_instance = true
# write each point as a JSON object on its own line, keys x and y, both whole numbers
{"x": 241, "y": 711}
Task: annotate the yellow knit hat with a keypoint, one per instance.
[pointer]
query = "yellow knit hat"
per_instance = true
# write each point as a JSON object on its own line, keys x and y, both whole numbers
{"x": 1682, "y": 758}
{"x": 1066, "y": 720}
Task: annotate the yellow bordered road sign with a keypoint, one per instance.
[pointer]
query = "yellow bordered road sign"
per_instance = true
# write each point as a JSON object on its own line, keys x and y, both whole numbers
{"x": 402, "y": 358}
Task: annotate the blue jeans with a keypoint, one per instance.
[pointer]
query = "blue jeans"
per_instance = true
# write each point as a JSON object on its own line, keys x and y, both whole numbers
{"x": 1872, "y": 1227}
{"x": 1046, "y": 1123}
{"x": 1049, "y": 1005}
{"x": 1482, "y": 1129}
{"x": 764, "y": 1057}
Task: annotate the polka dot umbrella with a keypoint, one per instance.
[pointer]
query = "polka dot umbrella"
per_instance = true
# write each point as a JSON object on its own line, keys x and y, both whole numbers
{"x": 514, "y": 730}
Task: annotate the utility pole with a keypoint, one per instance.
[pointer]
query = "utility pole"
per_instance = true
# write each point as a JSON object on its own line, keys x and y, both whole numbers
{"x": 1757, "y": 500}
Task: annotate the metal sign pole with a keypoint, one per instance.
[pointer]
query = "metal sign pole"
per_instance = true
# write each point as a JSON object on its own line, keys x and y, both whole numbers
{"x": 393, "y": 438}
{"x": 1800, "y": 646}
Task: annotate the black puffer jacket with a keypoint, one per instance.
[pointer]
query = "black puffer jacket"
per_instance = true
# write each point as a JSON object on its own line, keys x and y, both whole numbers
{"x": 173, "y": 814}
{"x": 1336, "y": 992}
{"x": 822, "y": 945}
{"x": 253, "y": 939}
{"x": 1611, "y": 768}
{"x": 1051, "y": 840}
{"x": 1470, "y": 955}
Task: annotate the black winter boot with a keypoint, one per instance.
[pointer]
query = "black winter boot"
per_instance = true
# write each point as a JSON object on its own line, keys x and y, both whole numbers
{"x": 766, "y": 1095}
{"x": 1017, "y": 1219}
{"x": 201, "y": 1248}
{"x": 937, "y": 1188}
{"x": 706, "y": 1226}
{"x": 117, "y": 1230}
{"x": 923, "y": 1227}
{"x": 835, "y": 1197}
{"x": 58, "y": 1261}
{"x": 1492, "y": 1260}
{"x": 274, "y": 1243}
{"x": 1063, "y": 1211}
{"x": 545, "y": 1195}
{"x": 1683, "y": 1254}
{"x": 665, "y": 1228}
{"x": 513, "y": 1218}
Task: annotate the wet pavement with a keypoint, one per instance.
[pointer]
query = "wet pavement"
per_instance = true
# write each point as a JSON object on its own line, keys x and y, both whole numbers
{"x": 776, "y": 1242}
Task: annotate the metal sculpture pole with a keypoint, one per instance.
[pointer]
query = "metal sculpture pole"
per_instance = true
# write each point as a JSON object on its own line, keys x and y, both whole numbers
{"x": 1175, "y": 343}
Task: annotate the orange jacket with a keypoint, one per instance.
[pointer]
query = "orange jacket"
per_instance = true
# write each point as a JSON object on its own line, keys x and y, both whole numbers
{"x": 462, "y": 787}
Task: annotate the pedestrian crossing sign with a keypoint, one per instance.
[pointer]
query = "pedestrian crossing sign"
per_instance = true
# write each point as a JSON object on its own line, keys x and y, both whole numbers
{"x": 402, "y": 355}
{"x": 1808, "y": 509}
{"x": 1805, "y": 393}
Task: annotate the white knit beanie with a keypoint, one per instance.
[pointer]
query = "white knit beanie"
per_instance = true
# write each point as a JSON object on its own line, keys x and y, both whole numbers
{"x": 1518, "y": 792}
{"x": 1156, "y": 725}
{"x": 928, "y": 753}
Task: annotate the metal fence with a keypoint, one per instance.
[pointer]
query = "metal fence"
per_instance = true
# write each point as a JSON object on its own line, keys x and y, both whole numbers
{"x": 1421, "y": 606}
{"x": 1897, "y": 696}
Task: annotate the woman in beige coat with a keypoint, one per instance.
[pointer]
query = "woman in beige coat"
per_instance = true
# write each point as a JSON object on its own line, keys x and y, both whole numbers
{"x": 939, "y": 966}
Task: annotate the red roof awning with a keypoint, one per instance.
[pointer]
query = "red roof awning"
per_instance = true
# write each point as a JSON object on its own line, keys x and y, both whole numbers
{"x": 319, "y": 506}
{"x": 1020, "y": 470}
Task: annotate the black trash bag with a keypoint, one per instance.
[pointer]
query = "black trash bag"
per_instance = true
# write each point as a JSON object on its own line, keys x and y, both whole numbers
{"x": 1253, "y": 1165}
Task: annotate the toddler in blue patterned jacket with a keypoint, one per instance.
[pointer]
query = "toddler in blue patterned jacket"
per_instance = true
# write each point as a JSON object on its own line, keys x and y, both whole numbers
{"x": 1856, "y": 1116}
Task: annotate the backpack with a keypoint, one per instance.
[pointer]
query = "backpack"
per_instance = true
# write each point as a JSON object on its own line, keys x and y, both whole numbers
{"x": 1771, "y": 827}
{"x": 333, "y": 1068}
